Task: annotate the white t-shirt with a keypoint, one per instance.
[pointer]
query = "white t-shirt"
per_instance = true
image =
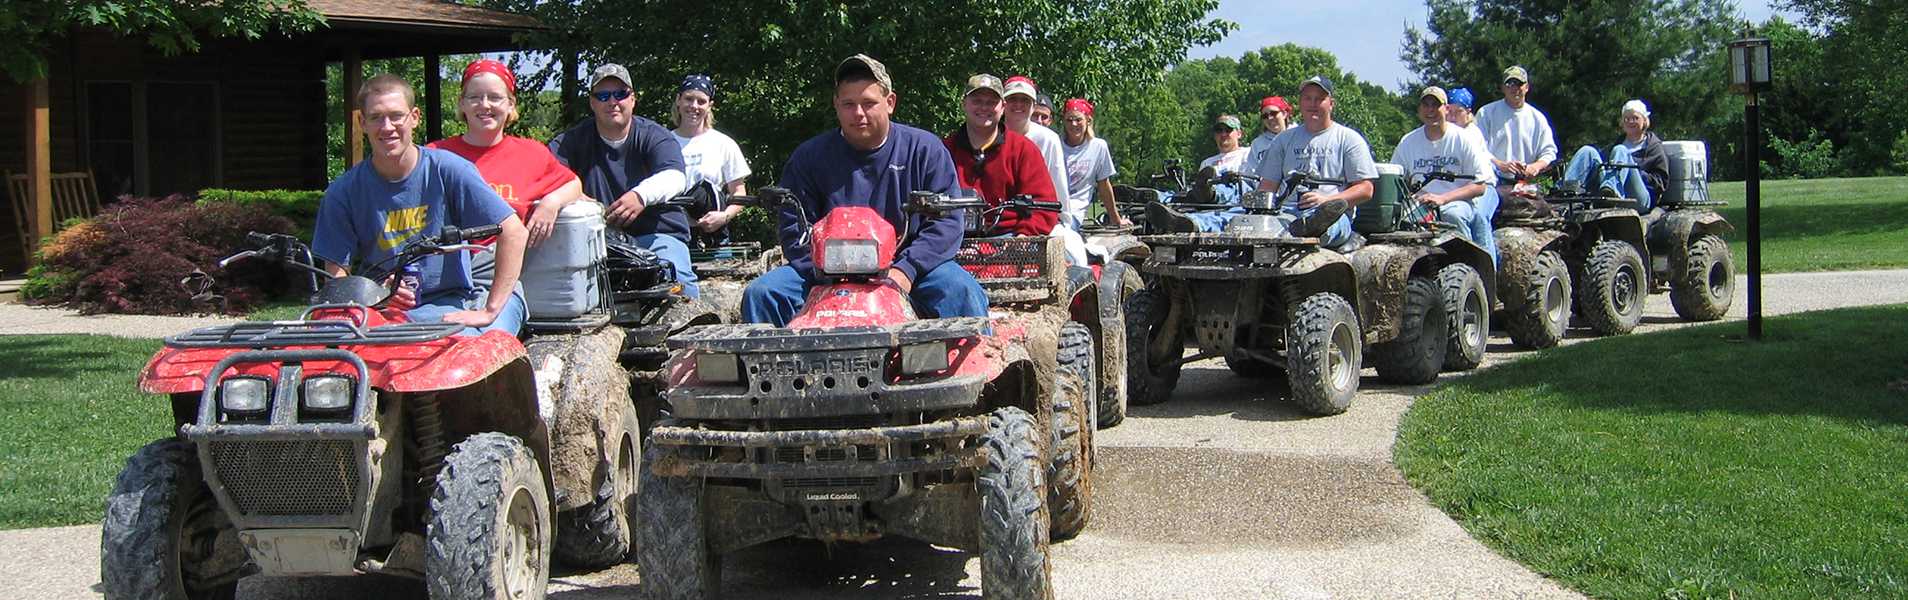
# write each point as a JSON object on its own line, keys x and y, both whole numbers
{"x": 1259, "y": 146}
{"x": 1454, "y": 153}
{"x": 713, "y": 157}
{"x": 1520, "y": 135}
{"x": 1228, "y": 162}
{"x": 1054, "y": 152}
{"x": 1087, "y": 165}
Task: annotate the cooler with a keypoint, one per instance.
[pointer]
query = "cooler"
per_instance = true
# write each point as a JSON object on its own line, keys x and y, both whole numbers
{"x": 1688, "y": 173}
{"x": 562, "y": 276}
{"x": 1380, "y": 213}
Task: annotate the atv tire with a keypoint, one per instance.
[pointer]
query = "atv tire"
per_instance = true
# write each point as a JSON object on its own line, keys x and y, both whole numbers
{"x": 1416, "y": 356}
{"x": 1323, "y": 353}
{"x": 1614, "y": 285}
{"x": 672, "y": 549}
{"x": 1145, "y": 321}
{"x": 1070, "y": 468}
{"x": 1468, "y": 311}
{"x": 1113, "y": 398}
{"x": 1545, "y": 313}
{"x": 599, "y": 534}
{"x": 159, "y": 513}
{"x": 489, "y": 536}
{"x": 1707, "y": 284}
{"x": 1013, "y": 514}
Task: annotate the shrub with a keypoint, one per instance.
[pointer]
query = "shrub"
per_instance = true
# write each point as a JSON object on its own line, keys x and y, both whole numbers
{"x": 132, "y": 257}
{"x": 301, "y": 206}
{"x": 754, "y": 224}
{"x": 1809, "y": 158}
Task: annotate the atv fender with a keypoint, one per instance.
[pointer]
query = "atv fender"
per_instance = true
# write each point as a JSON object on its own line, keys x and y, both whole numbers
{"x": 1671, "y": 235}
{"x": 1117, "y": 280}
{"x": 445, "y": 364}
{"x": 580, "y": 386}
{"x": 1517, "y": 248}
{"x": 1623, "y": 226}
{"x": 1383, "y": 270}
{"x": 1314, "y": 271}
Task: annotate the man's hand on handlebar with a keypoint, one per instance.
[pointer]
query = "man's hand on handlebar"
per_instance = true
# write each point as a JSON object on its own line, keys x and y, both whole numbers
{"x": 1311, "y": 199}
{"x": 401, "y": 298}
{"x": 626, "y": 209}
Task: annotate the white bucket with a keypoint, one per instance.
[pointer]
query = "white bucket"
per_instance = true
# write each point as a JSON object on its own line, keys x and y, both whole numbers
{"x": 561, "y": 276}
{"x": 1688, "y": 172}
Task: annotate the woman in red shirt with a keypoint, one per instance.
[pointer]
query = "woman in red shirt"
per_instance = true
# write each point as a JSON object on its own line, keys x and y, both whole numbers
{"x": 521, "y": 170}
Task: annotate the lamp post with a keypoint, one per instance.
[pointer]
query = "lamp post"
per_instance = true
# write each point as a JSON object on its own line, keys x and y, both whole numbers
{"x": 1749, "y": 71}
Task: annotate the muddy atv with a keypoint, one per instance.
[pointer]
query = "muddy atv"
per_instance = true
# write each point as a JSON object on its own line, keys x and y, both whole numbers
{"x": 1439, "y": 267}
{"x": 859, "y": 421}
{"x": 1578, "y": 252}
{"x": 1268, "y": 302}
{"x": 1114, "y": 254}
{"x": 347, "y": 442}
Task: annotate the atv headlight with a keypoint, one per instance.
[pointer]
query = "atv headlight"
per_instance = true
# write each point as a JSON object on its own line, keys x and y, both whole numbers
{"x": 245, "y": 394}
{"x": 327, "y": 392}
{"x": 923, "y": 358}
{"x": 718, "y": 368}
{"x": 851, "y": 257}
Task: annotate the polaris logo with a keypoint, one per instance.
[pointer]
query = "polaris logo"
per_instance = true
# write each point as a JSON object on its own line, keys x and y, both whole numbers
{"x": 1219, "y": 255}
{"x": 841, "y": 364}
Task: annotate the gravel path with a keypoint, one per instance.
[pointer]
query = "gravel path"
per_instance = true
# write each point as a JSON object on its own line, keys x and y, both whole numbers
{"x": 1227, "y": 491}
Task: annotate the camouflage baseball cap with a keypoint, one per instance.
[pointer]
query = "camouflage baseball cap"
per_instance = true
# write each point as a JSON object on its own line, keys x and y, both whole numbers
{"x": 862, "y": 64}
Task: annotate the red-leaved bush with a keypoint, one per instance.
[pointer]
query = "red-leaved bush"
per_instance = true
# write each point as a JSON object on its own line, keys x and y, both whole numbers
{"x": 133, "y": 257}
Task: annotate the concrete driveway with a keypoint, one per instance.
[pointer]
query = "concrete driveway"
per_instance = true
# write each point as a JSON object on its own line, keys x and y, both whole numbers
{"x": 1226, "y": 492}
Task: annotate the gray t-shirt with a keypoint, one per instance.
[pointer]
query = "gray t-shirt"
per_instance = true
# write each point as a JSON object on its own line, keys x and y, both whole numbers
{"x": 1336, "y": 153}
{"x": 1087, "y": 165}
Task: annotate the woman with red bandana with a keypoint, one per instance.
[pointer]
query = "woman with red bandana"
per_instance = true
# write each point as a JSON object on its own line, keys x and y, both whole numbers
{"x": 1089, "y": 163}
{"x": 522, "y": 170}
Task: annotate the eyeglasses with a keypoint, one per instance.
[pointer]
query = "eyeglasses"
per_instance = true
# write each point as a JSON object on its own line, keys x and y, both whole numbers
{"x": 480, "y": 99}
{"x": 606, "y": 96}
{"x": 1221, "y": 129}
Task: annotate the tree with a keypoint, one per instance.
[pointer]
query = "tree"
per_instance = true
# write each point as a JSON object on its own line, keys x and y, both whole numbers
{"x": 28, "y": 27}
{"x": 1861, "y": 52}
{"x": 772, "y": 61}
{"x": 1585, "y": 57}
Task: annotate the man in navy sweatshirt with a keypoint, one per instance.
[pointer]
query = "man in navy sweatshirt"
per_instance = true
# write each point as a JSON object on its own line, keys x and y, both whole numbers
{"x": 874, "y": 162}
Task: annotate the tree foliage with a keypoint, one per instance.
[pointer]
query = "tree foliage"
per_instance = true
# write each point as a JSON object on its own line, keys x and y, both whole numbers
{"x": 1585, "y": 57}
{"x": 28, "y": 27}
{"x": 1861, "y": 72}
{"x": 772, "y": 61}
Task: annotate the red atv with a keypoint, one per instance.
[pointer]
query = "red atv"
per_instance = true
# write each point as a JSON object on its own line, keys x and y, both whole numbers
{"x": 860, "y": 420}
{"x": 351, "y": 441}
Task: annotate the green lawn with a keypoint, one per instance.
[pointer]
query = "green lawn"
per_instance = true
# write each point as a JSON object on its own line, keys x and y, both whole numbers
{"x": 1686, "y": 465}
{"x": 70, "y": 414}
{"x": 1823, "y": 224}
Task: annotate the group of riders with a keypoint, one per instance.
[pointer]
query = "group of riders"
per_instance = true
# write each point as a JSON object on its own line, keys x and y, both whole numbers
{"x": 1003, "y": 149}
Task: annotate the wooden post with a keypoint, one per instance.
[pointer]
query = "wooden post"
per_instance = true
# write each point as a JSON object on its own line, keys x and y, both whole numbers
{"x": 433, "y": 98}
{"x": 39, "y": 166}
{"x": 353, "y": 113}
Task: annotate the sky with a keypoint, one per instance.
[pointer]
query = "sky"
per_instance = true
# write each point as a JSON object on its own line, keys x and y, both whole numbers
{"x": 1365, "y": 34}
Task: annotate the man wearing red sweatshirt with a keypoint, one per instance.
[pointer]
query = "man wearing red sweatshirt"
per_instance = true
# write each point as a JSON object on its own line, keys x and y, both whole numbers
{"x": 998, "y": 163}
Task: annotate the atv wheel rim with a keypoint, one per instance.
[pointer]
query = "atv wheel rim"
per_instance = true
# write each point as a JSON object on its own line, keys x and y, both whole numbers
{"x": 523, "y": 546}
{"x": 1338, "y": 357}
{"x": 1554, "y": 299}
{"x": 626, "y": 479}
{"x": 1623, "y": 290}
{"x": 1718, "y": 280}
{"x": 1470, "y": 321}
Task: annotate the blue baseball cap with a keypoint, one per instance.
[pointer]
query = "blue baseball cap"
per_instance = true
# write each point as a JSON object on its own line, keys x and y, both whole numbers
{"x": 1462, "y": 97}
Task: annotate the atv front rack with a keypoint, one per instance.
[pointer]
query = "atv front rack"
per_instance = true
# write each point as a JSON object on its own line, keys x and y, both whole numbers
{"x": 760, "y": 337}
{"x": 280, "y": 334}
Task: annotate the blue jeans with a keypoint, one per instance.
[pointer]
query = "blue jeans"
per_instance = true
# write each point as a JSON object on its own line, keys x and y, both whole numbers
{"x": 433, "y": 309}
{"x": 1624, "y": 182}
{"x": 946, "y": 291}
{"x": 1483, "y": 209}
{"x": 674, "y": 251}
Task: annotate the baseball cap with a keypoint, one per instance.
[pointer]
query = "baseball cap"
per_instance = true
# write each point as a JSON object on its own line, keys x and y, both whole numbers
{"x": 1321, "y": 82}
{"x": 1462, "y": 97}
{"x": 1044, "y": 100}
{"x": 982, "y": 81}
{"x": 1228, "y": 121}
{"x": 1277, "y": 102}
{"x": 610, "y": 70}
{"x": 1516, "y": 73}
{"x": 860, "y": 64}
{"x": 1434, "y": 92}
{"x": 1020, "y": 84}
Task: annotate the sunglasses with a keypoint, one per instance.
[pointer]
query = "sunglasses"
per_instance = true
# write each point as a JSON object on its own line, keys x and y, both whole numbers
{"x": 1218, "y": 129}
{"x": 1268, "y": 115}
{"x": 606, "y": 96}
